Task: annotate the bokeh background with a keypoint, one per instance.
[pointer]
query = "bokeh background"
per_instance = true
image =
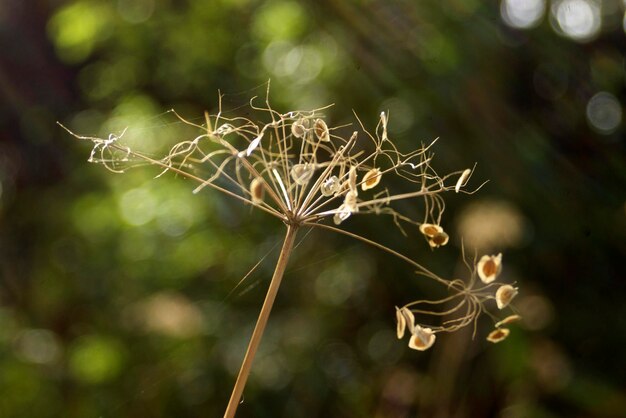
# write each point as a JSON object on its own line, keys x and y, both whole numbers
{"x": 118, "y": 293}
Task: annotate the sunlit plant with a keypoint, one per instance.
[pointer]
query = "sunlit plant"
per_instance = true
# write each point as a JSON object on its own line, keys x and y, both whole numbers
{"x": 296, "y": 168}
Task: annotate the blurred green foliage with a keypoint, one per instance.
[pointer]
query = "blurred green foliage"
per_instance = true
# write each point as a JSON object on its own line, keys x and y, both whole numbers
{"x": 119, "y": 296}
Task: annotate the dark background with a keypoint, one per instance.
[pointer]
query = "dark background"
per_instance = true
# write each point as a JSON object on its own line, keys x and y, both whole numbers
{"x": 117, "y": 292}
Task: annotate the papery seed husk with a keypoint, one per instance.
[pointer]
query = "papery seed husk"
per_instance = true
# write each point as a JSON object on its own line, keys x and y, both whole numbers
{"x": 504, "y": 295}
{"x": 489, "y": 266}
{"x": 257, "y": 190}
{"x": 422, "y": 339}
{"x": 401, "y": 323}
{"x": 508, "y": 320}
{"x": 330, "y": 186}
{"x": 352, "y": 179}
{"x": 498, "y": 335}
{"x": 350, "y": 201}
{"x": 321, "y": 130}
{"x": 461, "y": 181}
{"x": 302, "y": 173}
{"x": 371, "y": 179}
{"x": 298, "y": 129}
{"x": 439, "y": 239}
{"x": 430, "y": 230}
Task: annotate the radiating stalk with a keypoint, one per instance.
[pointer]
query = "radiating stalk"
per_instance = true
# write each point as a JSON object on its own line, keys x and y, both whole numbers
{"x": 259, "y": 328}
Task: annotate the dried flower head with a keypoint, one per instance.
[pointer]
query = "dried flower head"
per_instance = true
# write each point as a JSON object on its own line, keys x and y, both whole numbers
{"x": 422, "y": 338}
{"x": 504, "y": 295}
{"x": 290, "y": 167}
{"x": 489, "y": 267}
{"x": 498, "y": 335}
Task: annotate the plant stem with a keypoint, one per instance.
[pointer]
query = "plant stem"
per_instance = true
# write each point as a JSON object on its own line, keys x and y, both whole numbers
{"x": 259, "y": 328}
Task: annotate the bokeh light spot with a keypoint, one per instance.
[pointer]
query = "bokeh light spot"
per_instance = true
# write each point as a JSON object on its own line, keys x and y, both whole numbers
{"x": 39, "y": 346}
{"x": 76, "y": 28}
{"x": 522, "y": 14}
{"x": 137, "y": 206}
{"x": 280, "y": 20}
{"x": 96, "y": 359}
{"x": 135, "y": 11}
{"x": 577, "y": 19}
{"x": 604, "y": 113}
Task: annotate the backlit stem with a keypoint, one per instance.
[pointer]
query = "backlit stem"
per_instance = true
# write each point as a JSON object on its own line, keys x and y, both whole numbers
{"x": 259, "y": 328}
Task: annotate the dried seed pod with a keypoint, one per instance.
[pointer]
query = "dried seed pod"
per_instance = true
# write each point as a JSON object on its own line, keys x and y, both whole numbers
{"x": 439, "y": 239}
{"x": 342, "y": 214}
{"x": 350, "y": 201}
{"x": 302, "y": 173}
{"x": 321, "y": 130}
{"x": 352, "y": 180}
{"x": 462, "y": 180}
{"x": 498, "y": 335}
{"x": 257, "y": 190}
{"x": 430, "y": 230}
{"x": 508, "y": 320}
{"x": 422, "y": 338}
{"x": 405, "y": 320}
{"x": 504, "y": 295}
{"x": 371, "y": 179}
{"x": 299, "y": 128}
{"x": 330, "y": 186}
{"x": 489, "y": 266}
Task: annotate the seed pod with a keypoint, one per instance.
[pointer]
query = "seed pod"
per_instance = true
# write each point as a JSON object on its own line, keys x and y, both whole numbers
{"x": 350, "y": 201}
{"x": 352, "y": 180}
{"x": 439, "y": 239}
{"x": 504, "y": 295}
{"x": 330, "y": 186}
{"x": 298, "y": 128}
{"x": 257, "y": 190}
{"x": 422, "y": 338}
{"x": 302, "y": 173}
{"x": 406, "y": 320}
{"x": 321, "y": 130}
{"x": 462, "y": 180}
{"x": 430, "y": 230}
{"x": 498, "y": 335}
{"x": 508, "y": 320}
{"x": 371, "y": 179}
{"x": 489, "y": 266}
{"x": 342, "y": 214}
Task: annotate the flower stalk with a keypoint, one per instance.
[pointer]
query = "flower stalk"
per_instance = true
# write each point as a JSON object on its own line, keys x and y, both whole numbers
{"x": 259, "y": 328}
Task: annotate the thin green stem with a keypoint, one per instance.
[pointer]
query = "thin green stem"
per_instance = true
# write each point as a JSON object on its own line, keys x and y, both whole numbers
{"x": 259, "y": 328}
